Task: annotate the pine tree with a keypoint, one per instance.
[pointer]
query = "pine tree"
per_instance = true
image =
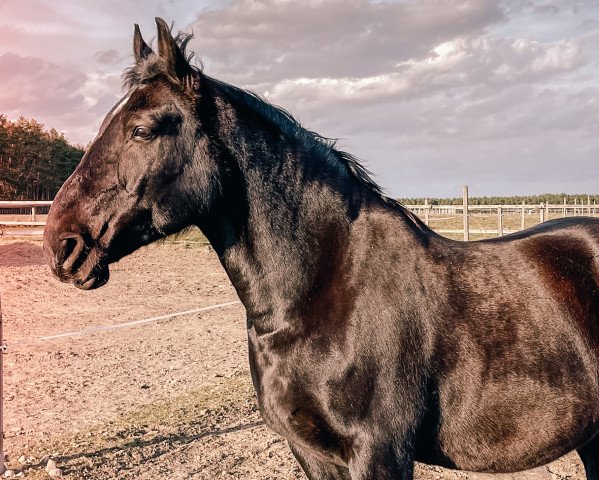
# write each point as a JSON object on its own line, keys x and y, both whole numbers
{"x": 33, "y": 162}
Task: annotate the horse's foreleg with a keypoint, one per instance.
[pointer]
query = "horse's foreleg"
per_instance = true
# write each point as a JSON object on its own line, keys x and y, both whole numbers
{"x": 589, "y": 454}
{"x": 381, "y": 462}
{"x": 318, "y": 470}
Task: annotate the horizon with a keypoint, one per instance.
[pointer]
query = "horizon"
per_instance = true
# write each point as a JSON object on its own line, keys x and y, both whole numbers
{"x": 429, "y": 95}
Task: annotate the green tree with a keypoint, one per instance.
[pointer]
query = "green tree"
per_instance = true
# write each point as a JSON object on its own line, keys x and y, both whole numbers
{"x": 33, "y": 162}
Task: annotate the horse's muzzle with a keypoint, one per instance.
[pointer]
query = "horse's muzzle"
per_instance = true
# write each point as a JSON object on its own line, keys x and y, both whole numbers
{"x": 74, "y": 261}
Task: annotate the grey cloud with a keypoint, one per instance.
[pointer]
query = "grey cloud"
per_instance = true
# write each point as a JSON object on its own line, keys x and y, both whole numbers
{"x": 486, "y": 65}
{"x": 515, "y": 140}
{"x": 257, "y": 41}
{"x": 546, "y": 9}
{"x": 464, "y": 118}
{"x": 429, "y": 99}
{"x": 466, "y": 64}
{"x": 547, "y": 6}
{"x": 418, "y": 165}
{"x": 109, "y": 57}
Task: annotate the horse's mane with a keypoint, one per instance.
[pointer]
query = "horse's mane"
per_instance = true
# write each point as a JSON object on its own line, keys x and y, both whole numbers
{"x": 324, "y": 148}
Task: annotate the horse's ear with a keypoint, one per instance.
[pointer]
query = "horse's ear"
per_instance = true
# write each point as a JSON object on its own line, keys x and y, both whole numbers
{"x": 170, "y": 53}
{"x": 141, "y": 50}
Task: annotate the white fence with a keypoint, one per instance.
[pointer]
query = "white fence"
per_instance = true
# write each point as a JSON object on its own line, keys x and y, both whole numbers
{"x": 545, "y": 211}
{"x": 427, "y": 212}
{"x": 16, "y": 218}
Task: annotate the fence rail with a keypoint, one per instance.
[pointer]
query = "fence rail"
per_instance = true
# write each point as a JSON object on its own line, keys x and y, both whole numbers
{"x": 23, "y": 213}
{"x": 578, "y": 209}
{"x": 31, "y": 213}
{"x": 25, "y": 203}
{"x": 467, "y": 211}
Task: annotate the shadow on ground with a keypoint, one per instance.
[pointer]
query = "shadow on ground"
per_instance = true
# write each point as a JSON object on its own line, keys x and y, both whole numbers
{"x": 21, "y": 254}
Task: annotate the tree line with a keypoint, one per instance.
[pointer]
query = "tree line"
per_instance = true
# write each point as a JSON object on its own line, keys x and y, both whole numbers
{"x": 551, "y": 198}
{"x": 34, "y": 162}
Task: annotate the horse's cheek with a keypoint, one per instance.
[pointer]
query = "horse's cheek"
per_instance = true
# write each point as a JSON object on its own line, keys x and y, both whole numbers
{"x": 131, "y": 175}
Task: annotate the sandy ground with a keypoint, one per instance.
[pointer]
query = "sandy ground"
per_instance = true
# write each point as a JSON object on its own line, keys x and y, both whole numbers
{"x": 167, "y": 399}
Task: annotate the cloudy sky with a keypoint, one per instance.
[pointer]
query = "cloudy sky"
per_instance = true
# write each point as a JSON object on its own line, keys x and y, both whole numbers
{"x": 431, "y": 94}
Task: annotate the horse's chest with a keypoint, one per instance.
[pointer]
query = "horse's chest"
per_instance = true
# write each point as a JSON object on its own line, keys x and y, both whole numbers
{"x": 291, "y": 406}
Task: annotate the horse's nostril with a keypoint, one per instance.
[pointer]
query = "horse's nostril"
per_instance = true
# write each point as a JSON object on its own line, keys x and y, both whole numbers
{"x": 70, "y": 250}
{"x": 68, "y": 246}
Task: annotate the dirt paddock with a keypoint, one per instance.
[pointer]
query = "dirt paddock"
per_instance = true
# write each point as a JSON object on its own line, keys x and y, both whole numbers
{"x": 171, "y": 398}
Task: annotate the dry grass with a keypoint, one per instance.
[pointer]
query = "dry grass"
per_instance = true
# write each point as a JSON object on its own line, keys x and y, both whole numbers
{"x": 147, "y": 432}
{"x": 190, "y": 237}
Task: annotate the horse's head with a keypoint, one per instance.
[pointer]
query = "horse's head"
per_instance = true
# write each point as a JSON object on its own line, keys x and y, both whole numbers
{"x": 147, "y": 174}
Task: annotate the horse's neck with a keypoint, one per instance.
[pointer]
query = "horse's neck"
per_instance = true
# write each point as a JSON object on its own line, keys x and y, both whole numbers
{"x": 282, "y": 227}
{"x": 282, "y": 255}
{"x": 278, "y": 223}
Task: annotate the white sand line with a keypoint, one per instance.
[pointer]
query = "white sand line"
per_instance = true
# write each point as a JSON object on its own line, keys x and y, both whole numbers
{"x": 104, "y": 328}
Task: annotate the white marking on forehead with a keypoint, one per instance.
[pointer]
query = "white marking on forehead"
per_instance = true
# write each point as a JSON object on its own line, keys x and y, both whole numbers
{"x": 115, "y": 110}
{"x": 119, "y": 106}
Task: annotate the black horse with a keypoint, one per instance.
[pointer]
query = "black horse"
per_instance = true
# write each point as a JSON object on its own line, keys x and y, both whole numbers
{"x": 373, "y": 342}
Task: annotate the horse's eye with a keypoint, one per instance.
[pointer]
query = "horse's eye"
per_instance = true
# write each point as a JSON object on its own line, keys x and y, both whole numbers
{"x": 142, "y": 132}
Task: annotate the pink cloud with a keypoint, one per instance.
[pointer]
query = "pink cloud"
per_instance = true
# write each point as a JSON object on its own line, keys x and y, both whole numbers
{"x": 36, "y": 85}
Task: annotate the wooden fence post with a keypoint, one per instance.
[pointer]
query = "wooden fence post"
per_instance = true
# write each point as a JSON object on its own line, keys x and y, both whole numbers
{"x": 500, "y": 221}
{"x": 541, "y": 213}
{"x": 33, "y": 214}
{"x": 426, "y": 212}
{"x": 465, "y": 212}
{"x": 575, "y": 205}
{"x": 564, "y": 209}
{"x": 522, "y": 221}
{"x": 547, "y": 211}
